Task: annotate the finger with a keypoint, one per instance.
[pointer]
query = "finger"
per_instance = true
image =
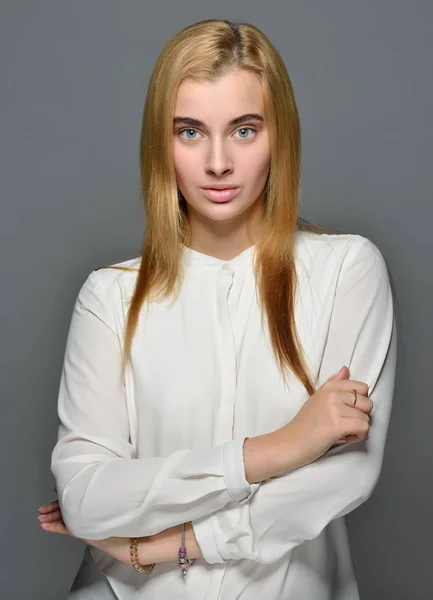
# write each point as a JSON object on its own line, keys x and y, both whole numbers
{"x": 352, "y": 439}
{"x": 363, "y": 403}
{"x": 49, "y": 507}
{"x": 350, "y": 384}
{"x": 357, "y": 427}
{"x": 55, "y": 528}
{"x": 50, "y": 517}
{"x": 353, "y": 413}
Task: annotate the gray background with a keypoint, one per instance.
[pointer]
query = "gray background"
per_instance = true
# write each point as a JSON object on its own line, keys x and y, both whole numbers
{"x": 73, "y": 83}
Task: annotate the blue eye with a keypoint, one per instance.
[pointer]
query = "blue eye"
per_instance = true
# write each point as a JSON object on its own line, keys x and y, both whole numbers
{"x": 190, "y": 130}
{"x": 246, "y": 129}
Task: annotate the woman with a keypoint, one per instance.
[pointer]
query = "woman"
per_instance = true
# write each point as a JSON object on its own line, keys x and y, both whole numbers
{"x": 237, "y": 378}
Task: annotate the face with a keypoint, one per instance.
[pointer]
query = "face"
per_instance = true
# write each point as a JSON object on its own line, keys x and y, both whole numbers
{"x": 209, "y": 149}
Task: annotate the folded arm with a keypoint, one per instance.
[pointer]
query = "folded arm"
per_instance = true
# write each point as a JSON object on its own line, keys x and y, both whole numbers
{"x": 103, "y": 489}
{"x": 158, "y": 548}
{"x": 289, "y": 509}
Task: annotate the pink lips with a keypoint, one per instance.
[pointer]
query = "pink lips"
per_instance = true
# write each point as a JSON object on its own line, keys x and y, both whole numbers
{"x": 220, "y": 195}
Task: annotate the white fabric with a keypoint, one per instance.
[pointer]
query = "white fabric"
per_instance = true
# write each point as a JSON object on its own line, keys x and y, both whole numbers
{"x": 164, "y": 446}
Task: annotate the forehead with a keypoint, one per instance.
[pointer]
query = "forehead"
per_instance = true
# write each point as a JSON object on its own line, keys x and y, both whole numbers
{"x": 229, "y": 95}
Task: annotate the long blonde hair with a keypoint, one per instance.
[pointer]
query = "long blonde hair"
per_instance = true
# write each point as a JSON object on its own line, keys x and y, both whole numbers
{"x": 206, "y": 50}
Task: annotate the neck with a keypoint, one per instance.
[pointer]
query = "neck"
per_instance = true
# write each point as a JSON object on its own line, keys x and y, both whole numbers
{"x": 225, "y": 239}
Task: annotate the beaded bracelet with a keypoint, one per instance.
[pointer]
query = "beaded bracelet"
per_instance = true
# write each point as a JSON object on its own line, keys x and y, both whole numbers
{"x": 184, "y": 562}
{"x": 134, "y": 558}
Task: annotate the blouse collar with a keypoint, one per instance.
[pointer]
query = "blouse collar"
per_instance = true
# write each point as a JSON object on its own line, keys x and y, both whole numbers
{"x": 194, "y": 257}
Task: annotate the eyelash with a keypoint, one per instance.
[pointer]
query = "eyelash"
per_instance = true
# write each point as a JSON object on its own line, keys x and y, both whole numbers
{"x": 192, "y": 129}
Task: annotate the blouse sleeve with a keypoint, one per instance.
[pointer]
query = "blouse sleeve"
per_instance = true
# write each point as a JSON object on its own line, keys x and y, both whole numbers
{"x": 103, "y": 489}
{"x": 289, "y": 509}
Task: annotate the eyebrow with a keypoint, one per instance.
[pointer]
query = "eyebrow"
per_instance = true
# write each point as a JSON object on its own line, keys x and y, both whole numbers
{"x": 237, "y": 121}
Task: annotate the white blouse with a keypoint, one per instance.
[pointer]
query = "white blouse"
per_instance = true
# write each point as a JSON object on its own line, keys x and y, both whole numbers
{"x": 164, "y": 446}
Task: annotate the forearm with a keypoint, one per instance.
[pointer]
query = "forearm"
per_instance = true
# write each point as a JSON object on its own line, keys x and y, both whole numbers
{"x": 161, "y": 547}
{"x": 261, "y": 460}
{"x": 263, "y": 456}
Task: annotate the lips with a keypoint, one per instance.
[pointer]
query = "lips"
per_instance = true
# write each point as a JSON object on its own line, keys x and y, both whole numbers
{"x": 220, "y": 195}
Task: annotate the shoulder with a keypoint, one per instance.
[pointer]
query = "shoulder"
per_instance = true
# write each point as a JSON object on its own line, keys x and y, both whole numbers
{"x": 110, "y": 285}
{"x": 121, "y": 274}
{"x": 329, "y": 252}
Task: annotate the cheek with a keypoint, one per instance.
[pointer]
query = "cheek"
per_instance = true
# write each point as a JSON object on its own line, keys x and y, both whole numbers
{"x": 264, "y": 165}
{"x": 258, "y": 156}
{"x": 256, "y": 165}
{"x": 185, "y": 165}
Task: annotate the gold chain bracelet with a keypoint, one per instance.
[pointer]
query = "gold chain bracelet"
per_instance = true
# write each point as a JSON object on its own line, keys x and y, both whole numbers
{"x": 134, "y": 558}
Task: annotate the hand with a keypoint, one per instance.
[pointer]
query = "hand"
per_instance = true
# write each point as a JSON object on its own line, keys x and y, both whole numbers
{"x": 50, "y": 518}
{"x": 160, "y": 547}
{"x": 327, "y": 416}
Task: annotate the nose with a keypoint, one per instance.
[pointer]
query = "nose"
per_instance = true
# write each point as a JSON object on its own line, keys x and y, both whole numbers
{"x": 218, "y": 162}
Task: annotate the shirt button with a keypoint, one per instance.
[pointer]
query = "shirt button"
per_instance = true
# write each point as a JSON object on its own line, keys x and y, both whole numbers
{"x": 225, "y": 266}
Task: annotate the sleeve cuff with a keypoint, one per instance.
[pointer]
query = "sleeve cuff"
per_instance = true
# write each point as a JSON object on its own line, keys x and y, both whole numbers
{"x": 206, "y": 540}
{"x": 233, "y": 468}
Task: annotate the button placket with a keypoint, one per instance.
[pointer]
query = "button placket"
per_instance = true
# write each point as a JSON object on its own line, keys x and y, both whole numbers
{"x": 224, "y": 426}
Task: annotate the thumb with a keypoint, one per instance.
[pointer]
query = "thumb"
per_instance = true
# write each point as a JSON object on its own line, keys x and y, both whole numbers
{"x": 343, "y": 373}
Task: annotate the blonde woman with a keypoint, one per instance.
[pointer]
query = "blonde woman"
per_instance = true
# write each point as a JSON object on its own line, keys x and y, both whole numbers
{"x": 234, "y": 383}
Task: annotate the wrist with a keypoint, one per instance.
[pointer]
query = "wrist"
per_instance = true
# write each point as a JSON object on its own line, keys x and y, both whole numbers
{"x": 160, "y": 547}
{"x": 144, "y": 551}
{"x": 192, "y": 547}
{"x": 164, "y": 546}
{"x": 289, "y": 448}
{"x": 261, "y": 457}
